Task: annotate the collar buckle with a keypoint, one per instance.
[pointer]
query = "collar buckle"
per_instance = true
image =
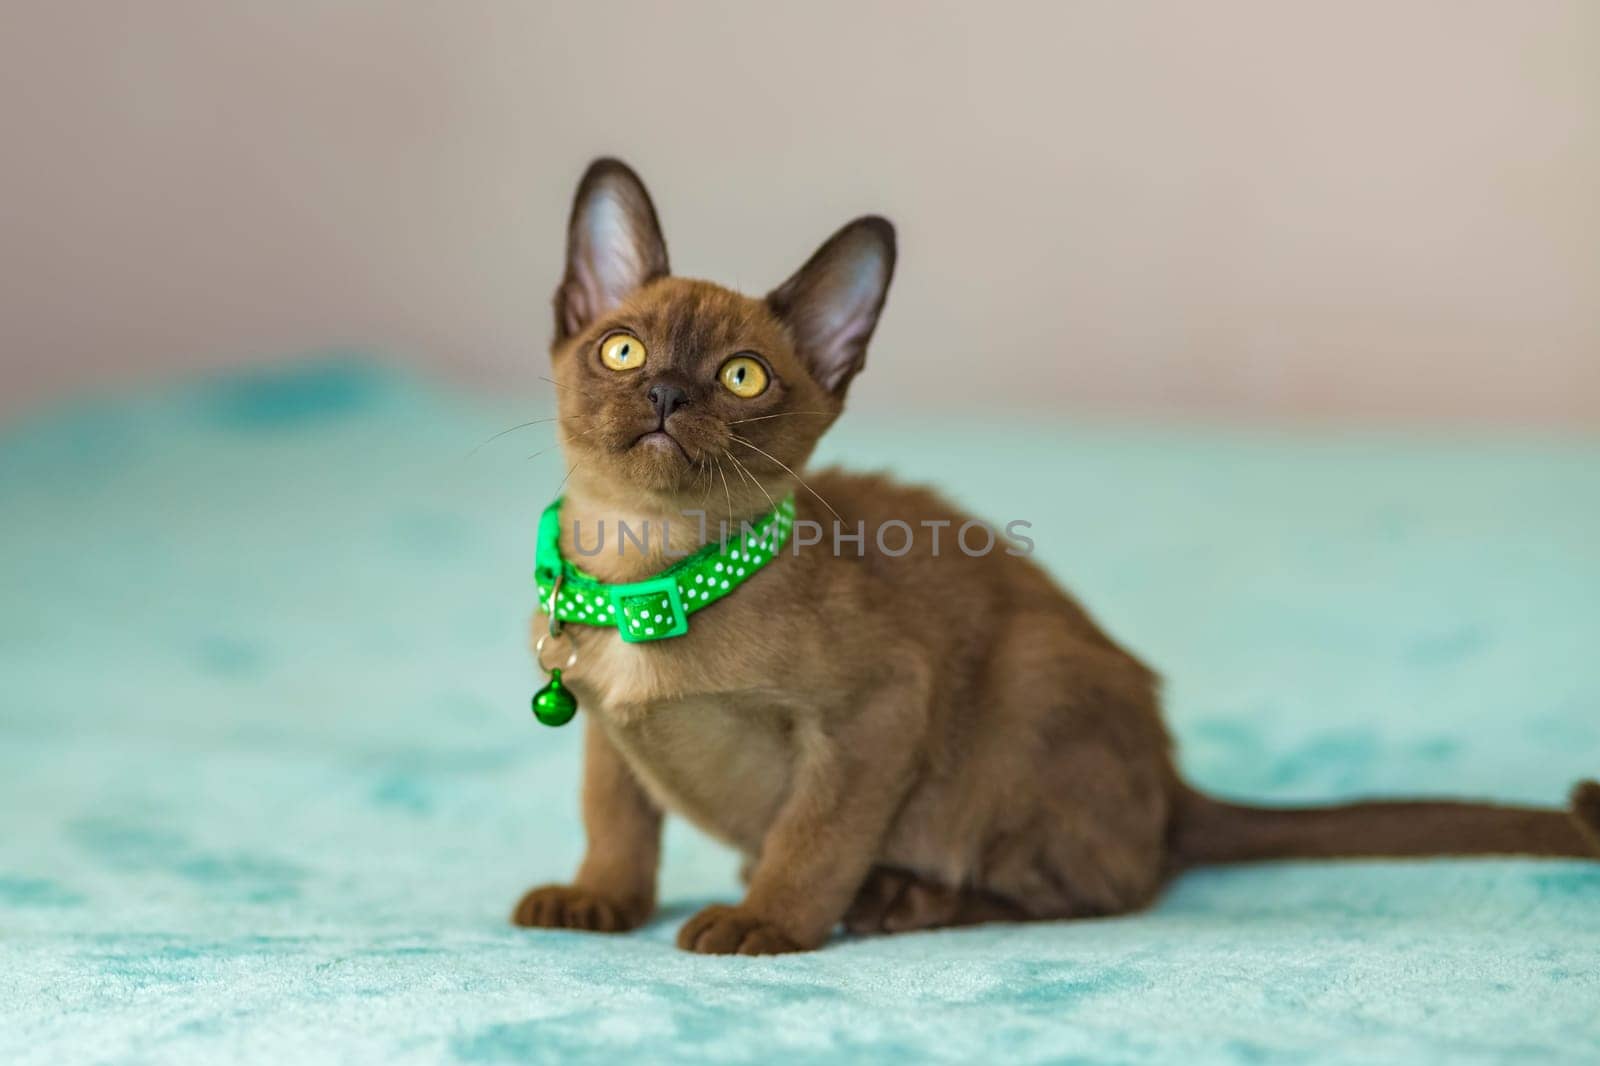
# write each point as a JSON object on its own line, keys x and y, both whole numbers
{"x": 649, "y": 610}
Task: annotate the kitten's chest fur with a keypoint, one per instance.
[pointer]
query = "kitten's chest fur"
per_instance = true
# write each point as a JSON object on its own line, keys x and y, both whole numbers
{"x": 703, "y": 729}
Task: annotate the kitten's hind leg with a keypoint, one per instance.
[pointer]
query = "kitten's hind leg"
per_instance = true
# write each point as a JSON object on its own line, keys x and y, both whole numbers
{"x": 898, "y": 901}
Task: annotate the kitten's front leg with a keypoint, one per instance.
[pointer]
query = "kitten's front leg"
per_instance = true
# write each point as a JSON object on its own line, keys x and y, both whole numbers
{"x": 615, "y": 889}
{"x": 848, "y": 784}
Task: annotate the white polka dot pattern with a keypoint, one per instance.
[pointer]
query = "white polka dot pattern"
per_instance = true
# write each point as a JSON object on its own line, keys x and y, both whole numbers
{"x": 658, "y": 607}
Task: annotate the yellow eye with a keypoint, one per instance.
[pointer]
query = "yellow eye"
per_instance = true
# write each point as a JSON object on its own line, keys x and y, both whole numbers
{"x": 622, "y": 351}
{"x": 744, "y": 377}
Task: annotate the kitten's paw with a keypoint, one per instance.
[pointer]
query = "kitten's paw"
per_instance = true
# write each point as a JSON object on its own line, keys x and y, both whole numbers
{"x": 571, "y": 907}
{"x": 893, "y": 901}
{"x": 720, "y": 930}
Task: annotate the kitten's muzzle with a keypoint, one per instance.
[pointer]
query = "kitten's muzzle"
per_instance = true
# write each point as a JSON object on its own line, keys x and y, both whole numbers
{"x": 662, "y": 440}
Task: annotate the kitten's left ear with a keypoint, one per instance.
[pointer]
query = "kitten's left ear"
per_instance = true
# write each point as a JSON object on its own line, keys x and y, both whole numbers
{"x": 614, "y": 245}
{"x": 832, "y": 303}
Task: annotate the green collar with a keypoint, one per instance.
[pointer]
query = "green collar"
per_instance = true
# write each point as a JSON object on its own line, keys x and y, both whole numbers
{"x": 658, "y": 607}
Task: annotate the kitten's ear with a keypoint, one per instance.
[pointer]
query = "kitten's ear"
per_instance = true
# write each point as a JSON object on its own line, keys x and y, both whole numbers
{"x": 614, "y": 245}
{"x": 832, "y": 303}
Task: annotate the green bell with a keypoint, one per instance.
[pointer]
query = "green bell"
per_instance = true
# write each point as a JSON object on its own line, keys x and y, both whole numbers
{"x": 554, "y": 704}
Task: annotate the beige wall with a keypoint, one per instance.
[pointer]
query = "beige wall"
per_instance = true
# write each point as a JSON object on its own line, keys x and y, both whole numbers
{"x": 1265, "y": 209}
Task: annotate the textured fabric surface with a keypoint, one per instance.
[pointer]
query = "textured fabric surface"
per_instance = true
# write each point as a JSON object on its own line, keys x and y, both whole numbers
{"x": 269, "y": 785}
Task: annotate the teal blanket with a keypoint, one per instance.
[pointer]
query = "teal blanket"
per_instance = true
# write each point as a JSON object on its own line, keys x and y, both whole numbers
{"x": 269, "y": 785}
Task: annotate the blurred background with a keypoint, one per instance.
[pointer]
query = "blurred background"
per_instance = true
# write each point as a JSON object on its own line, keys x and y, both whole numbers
{"x": 1245, "y": 209}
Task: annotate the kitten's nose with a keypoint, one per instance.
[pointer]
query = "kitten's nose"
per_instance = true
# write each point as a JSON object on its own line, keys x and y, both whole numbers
{"x": 666, "y": 399}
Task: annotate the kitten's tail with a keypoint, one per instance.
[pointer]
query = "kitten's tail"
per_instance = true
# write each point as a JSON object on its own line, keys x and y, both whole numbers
{"x": 1208, "y": 830}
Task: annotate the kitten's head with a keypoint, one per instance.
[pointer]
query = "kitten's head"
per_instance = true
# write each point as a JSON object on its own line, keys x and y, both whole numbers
{"x": 668, "y": 386}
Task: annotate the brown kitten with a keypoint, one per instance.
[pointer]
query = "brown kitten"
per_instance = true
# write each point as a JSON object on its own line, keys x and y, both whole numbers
{"x": 893, "y": 742}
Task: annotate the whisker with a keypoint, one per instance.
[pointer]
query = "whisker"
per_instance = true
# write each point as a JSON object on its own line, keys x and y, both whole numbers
{"x": 740, "y": 440}
{"x": 569, "y": 388}
{"x": 701, "y": 468}
{"x": 563, "y": 483}
{"x": 557, "y": 444}
{"x": 780, "y": 414}
{"x": 751, "y": 478}
{"x": 725, "y": 491}
{"x": 513, "y": 429}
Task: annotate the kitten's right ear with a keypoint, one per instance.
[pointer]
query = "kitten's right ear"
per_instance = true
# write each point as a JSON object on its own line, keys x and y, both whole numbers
{"x": 833, "y": 302}
{"x": 614, "y": 245}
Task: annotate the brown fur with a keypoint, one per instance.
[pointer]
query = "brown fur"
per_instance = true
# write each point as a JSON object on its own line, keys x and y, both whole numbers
{"x": 892, "y": 742}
